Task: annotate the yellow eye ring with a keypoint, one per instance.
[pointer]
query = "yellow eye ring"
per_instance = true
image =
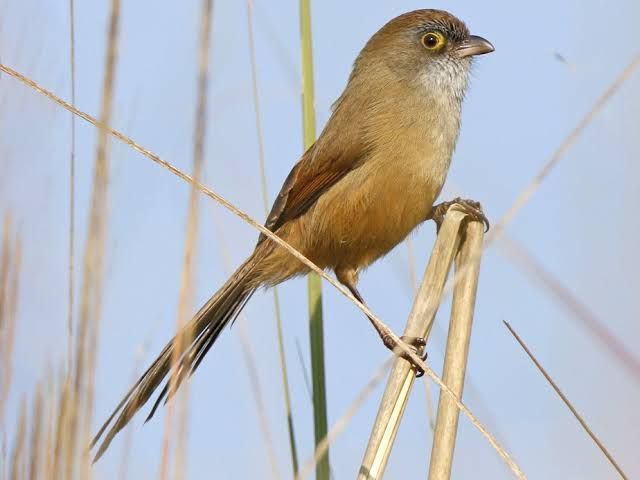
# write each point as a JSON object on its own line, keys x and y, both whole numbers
{"x": 433, "y": 41}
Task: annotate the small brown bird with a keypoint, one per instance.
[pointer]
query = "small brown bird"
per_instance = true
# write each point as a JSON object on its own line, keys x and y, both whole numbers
{"x": 370, "y": 178}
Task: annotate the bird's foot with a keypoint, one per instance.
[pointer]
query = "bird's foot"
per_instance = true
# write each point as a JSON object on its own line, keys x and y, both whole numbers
{"x": 472, "y": 208}
{"x": 414, "y": 343}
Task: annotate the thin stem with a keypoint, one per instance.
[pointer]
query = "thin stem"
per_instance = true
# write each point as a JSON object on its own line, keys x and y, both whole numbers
{"x": 566, "y": 401}
{"x": 265, "y": 200}
{"x": 72, "y": 183}
{"x": 93, "y": 264}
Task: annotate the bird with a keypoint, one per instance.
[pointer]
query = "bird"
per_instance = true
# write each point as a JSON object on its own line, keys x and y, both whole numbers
{"x": 371, "y": 178}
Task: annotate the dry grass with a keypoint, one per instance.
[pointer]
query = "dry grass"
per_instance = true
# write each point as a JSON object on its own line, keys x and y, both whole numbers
{"x": 187, "y": 277}
{"x": 10, "y": 261}
{"x": 57, "y": 445}
{"x": 72, "y": 183}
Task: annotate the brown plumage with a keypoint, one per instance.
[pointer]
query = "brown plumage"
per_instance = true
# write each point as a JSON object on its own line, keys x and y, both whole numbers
{"x": 371, "y": 177}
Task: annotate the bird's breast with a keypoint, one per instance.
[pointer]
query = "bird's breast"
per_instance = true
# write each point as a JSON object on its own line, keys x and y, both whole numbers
{"x": 375, "y": 206}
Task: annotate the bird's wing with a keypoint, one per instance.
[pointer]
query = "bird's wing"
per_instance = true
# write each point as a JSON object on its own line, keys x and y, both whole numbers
{"x": 306, "y": 182}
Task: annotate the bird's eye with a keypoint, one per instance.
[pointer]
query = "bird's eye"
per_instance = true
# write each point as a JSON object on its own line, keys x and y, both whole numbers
{"x": 433, "y": 41}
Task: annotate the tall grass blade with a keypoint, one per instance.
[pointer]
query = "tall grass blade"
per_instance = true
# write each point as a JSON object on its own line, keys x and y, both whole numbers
{"x": 316, "y": 330}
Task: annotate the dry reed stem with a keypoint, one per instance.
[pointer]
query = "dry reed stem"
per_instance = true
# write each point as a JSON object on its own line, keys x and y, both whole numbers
{"x": 273, "y": 237}
{"x": 396, "y": 394}
{"x": 10, "y": 264}
{"x": 35, "y": 445}
{"x": 566, "y": 401}
{"x": 186, "y": 279}
{"x": 265, "y": 201}
{"x": 413, "y": 280}
{"x": 344, "y": 420}
{"x": 256, "y": 105}
{"x": 4, "y": 461}
{"x": 19, "y": 454}
{"x": 457, "y": 351}
{"x": 63, "y": 451}
{"x": 91, "y": 297}
{"x": 587, "y": 318}
{"x": 51, "y": 417}
{"x": 72, "y": 184}
{"x": 5, "y": 262}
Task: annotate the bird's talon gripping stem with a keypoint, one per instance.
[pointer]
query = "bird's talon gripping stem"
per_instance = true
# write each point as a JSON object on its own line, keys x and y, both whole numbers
{"x": 418, "y": 343}
{"x": 415, "y": 343}
{"x": 472, "y": 208}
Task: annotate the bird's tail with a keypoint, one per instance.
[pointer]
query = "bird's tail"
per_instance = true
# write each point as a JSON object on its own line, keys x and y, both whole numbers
{"x": 195, "y": 340}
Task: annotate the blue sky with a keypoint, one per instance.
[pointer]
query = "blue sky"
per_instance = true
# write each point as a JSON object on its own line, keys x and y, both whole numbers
{"x": 581, "y": 224}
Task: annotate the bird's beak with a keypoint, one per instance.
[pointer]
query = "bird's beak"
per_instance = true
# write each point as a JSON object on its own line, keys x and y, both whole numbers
{"x": 474, "y": 45}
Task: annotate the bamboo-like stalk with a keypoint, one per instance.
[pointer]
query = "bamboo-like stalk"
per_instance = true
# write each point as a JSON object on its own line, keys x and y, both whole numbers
{"x": 413, "y": 280}
{"x": 316, "y": 328}
{"x": 455, "y": 360}
{"x": 419, "y": 324}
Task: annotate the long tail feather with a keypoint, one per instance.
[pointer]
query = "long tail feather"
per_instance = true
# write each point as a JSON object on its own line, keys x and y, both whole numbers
{"x": 202, "y": 331}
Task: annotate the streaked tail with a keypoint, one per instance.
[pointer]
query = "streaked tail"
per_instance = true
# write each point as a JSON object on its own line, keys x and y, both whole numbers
{"x": 196, "y": 339}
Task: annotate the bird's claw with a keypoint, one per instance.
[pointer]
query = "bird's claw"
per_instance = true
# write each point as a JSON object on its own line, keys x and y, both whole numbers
{"x": 414, "y": 343}
{"x": 472, "y": 208}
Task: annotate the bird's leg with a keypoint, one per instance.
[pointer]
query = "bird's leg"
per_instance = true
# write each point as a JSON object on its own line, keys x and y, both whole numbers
{"x": 471, "y": 208}
{"x": 349, "y": 278}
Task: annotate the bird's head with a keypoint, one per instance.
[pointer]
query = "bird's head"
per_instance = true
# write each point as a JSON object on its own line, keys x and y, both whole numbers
{"x": 431, "y": 49}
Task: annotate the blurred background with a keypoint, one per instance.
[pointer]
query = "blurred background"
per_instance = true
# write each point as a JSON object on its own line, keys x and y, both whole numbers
{"x": 552, "y": 61}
